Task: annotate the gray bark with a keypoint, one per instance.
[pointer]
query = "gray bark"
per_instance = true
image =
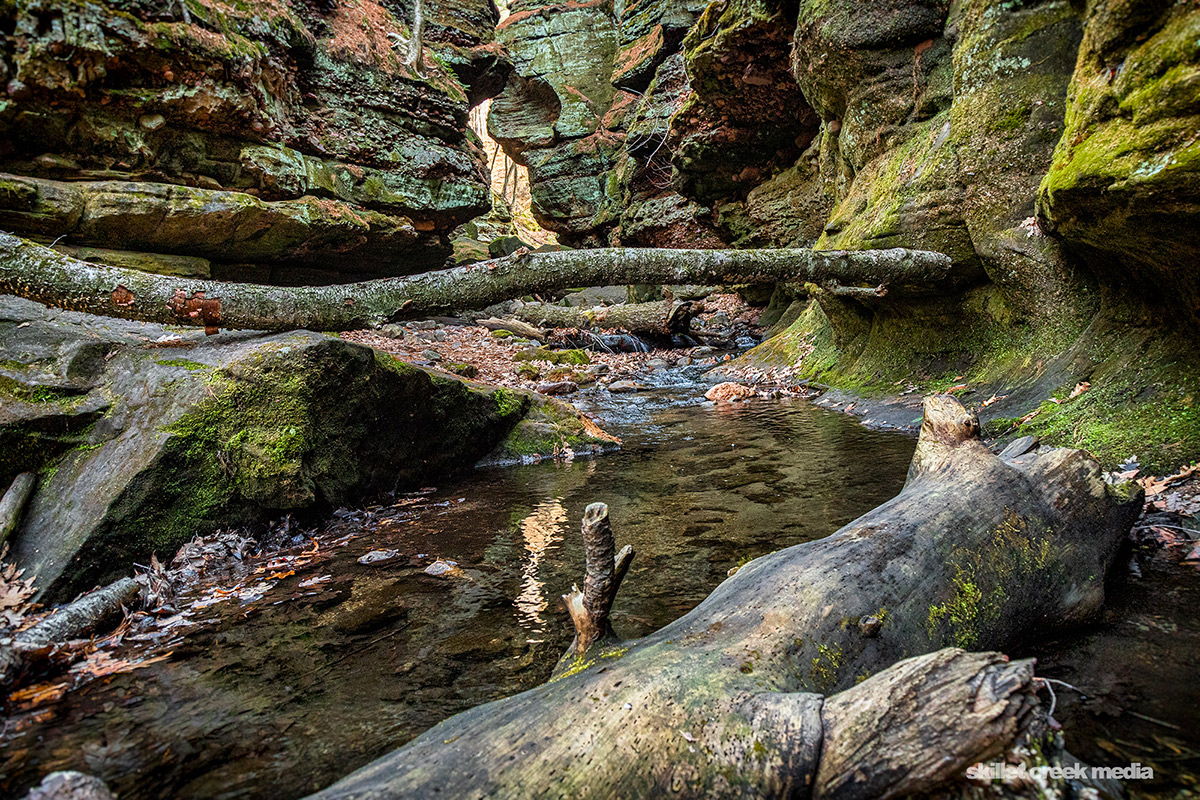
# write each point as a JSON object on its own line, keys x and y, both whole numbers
{"x": 415, "y": 60}
{"x": 76, "y": 620}
{"x": 38, "y": 273}
{"x": 976, "y": 552}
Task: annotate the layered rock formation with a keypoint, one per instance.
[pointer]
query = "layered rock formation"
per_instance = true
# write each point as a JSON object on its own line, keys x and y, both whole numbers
{"x": 1048, "y": 147}
{"x": 270, "y": 141}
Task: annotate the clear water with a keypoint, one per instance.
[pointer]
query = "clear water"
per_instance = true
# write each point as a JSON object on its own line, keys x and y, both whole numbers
{"x": 282, "y": 695}
{"x": 279, "y": 695}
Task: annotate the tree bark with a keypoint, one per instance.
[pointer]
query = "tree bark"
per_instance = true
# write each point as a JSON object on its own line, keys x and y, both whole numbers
{"x": 76, "y": 620}
{"x": 415, "y": 60}
{"x": 13, "y": 503}
{"x": 605, "y": 569}
{"x": 39, "y": 273}
{"x": 663, "y": 318}
{"x": 512, "y": 326}
{"x": 976, "y": 552}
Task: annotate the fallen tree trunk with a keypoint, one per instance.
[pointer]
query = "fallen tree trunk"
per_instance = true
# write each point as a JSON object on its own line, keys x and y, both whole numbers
{"x": 512, "y": 326}
{"x": 664, "y": 318}
{"x": 76, "y": 620}
{"x": 976, "y": 552}
{"x": 39, "y": 273}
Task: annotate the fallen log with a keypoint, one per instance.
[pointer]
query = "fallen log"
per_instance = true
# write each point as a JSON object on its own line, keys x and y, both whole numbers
{"x": 13, "y": 503}
{"x": 664, "y": 318}
{"x": 512, "y": 326}
{"x": 76, "y": 620}
{"x": 38, "y": 273}
{"x": 976, "y": 552}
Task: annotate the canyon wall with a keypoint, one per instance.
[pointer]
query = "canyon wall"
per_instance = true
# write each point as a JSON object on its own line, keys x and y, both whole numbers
{"x": 264, "y": 141}
{"x": 1049, "y": 147}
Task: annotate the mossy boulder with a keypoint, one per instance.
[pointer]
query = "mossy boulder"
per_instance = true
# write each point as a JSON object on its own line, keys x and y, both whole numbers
{"x": 1124, "y": 186}
{"x": 143, "y": 437}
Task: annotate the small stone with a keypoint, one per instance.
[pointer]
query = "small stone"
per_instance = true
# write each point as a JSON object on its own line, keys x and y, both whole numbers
{"x": 683, "y": 361}
{"x": 152, "y": 122}
{"x": 869, "y": 626}
{"x": 658, "y": 363}
{"x": 598, "y": 369}
{"x": 442, "y": 568}
{"x": 558, "y": 387}
{"x": 431, "y": 355}
{"x": 729, "y": 392}
{"x": 376, "y": 556}
{"x": 622, "y": 387}
{"x": 704, "y": 350}
{"x": 392, "y": 331}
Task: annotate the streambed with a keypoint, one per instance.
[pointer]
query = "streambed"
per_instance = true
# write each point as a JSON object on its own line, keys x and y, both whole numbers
{"x": 322, "y": 663}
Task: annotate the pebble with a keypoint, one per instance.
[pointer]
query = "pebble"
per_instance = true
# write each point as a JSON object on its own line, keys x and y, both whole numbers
{"x": 375, "y": 556}
{"x": 439, "y": 568}
{"x": 729, "y": 392}
{"x": 431, "y": 355}
{"x": 621, "y": 387}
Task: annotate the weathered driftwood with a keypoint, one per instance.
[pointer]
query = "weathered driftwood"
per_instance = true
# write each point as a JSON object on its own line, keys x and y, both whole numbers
{"x": 976, "y": 552}
{"x": 605, "y": 569}
{"x": 512, "y": 326}
{"x": 13, "y": 503}
{"x": 663, "y": 317}
{"x": 76, "y": 620}
{"x": 38, "y": 273}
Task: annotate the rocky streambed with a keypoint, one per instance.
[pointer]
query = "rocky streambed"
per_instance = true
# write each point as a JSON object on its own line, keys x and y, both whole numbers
{"x": 271, "y": 675}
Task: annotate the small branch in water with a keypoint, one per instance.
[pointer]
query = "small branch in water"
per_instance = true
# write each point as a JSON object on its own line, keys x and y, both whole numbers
{"x": 590, "y": 608}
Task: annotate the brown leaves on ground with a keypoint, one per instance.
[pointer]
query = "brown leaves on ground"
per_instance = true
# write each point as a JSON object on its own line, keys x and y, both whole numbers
{"x": 1156, "y": 486}
{"x": 16, "y": 596}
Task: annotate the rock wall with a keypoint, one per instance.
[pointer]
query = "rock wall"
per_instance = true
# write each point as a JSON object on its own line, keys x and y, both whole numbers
{"x": 269, "y": 141}
{"x": 1048, "y": 146}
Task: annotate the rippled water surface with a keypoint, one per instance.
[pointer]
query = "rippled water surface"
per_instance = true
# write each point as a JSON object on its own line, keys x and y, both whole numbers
{"x": 280, "y": 695}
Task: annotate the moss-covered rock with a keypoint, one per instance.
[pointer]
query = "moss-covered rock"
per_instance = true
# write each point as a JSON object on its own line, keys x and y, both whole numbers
{"x": 1124, "y": 186}
{"x": 277, "y": 100}
{"x": 143, "y": 440}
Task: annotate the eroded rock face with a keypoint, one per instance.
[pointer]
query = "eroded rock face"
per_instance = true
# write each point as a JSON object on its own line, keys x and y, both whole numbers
{"x": 222, "y": 121}
{"x": 1124, "y": 185}
{"x": 142, "y": 439}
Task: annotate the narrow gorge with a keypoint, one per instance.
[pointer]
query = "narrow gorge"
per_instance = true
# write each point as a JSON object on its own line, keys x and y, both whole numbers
{"x": 279, "y": 277}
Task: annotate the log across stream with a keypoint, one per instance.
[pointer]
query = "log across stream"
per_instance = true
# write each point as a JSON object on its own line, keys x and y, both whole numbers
{"x": 281, "y": 696}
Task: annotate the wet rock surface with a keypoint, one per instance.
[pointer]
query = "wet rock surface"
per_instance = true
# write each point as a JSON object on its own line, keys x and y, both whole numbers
{"x": 156, "y": 435}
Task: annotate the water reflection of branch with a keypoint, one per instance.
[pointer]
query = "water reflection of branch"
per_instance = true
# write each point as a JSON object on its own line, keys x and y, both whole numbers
{"x": 541, "y": 528}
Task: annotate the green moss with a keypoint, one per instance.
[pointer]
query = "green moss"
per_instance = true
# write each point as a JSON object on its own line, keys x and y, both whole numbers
{"x": 985, "y": 585}
{"x": 554, "y": 356}
{"x": 39, "y": 394}
{"x": 577, "y": 666}
{"x": 183, "y": 363}
{"x": 510, "y": 403}
{"x": 823, "y": 675}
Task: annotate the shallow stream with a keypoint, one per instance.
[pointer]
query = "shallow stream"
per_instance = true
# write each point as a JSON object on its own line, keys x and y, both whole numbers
{"x": 280, "y": 682}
